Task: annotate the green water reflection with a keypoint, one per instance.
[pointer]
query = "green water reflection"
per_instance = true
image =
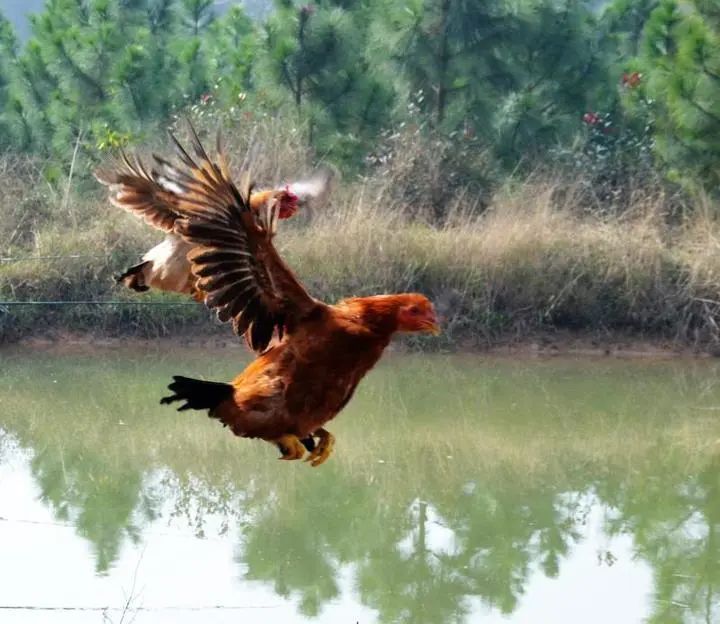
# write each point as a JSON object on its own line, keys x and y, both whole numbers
{"x": 455, "y": 480}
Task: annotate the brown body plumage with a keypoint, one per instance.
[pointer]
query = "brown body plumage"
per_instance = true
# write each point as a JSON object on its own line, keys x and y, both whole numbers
{"x": 311, "y": 356}
{"x": 299, "y": 384}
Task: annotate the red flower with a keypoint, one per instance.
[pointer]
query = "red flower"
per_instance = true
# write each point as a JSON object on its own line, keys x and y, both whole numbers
{"x": 205, "y": 98}
{"x": 630, "y": 81}
{"x": 591, "y": 119}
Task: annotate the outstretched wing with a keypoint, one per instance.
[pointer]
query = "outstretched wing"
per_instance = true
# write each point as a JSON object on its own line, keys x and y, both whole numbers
{"x": 238, "y": 269}
{"x": 153, "y": 197}
{"x": 140, "y": 192}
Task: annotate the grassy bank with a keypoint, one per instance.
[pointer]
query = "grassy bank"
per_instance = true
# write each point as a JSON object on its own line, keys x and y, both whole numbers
{"x": 530, "y": 261}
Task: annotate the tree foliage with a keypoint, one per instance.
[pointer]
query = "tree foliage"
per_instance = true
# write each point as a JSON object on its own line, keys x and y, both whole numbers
{"x": 515, "y": 78}
{"x": 520, "y": 75}
{"x": 320, "y": 54}
{"x": 8, "y": 52}
{"x": 112, "y": 70}
{"x": 681, "y": 59}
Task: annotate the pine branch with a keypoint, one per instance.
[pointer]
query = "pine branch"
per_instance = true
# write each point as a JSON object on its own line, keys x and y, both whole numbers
{"x": 702, "y": 109}
{"x": 84, "y": 77}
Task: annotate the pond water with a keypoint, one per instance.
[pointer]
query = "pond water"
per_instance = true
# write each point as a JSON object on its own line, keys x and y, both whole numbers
{"x": 462, "y": 489}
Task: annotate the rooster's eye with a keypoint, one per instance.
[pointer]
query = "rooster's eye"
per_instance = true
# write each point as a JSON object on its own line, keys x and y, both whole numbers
{"x": 414, "y": 310}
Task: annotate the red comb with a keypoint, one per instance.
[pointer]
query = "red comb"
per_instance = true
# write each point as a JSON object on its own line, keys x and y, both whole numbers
{"x": 288, "y": 203}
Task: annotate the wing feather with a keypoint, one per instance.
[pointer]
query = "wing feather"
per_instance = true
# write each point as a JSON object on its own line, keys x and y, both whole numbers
{"x": 135, "y": 189}
{"x": 223, "y": 278}
{"x": 238, "y": 269}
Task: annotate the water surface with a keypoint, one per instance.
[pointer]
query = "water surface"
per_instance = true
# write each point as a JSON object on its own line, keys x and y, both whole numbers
{"x": 463, "y": 489}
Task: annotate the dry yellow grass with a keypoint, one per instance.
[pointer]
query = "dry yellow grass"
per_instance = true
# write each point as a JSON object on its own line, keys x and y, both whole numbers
{"x": 532, "y": 260}
{"x": 526, "y": 261}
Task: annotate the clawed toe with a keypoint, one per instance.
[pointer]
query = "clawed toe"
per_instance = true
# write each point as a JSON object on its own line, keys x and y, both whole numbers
{"x": 290, "y": 447}
{"x": 323, "y": 449}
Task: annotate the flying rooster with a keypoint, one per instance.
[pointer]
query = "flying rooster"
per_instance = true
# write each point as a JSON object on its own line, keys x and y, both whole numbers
{"x": 310, "y": 355}
{"x": 154, "y": 198}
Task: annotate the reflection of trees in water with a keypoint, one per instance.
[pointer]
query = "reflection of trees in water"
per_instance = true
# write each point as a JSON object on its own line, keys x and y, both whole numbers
{"x": 674, "y": 519}
{"x": 410, "y": 575}
{"x": 193, "y": 501}
{"x": 477, "y": 541}
{"x": 104, "y": 507}
{"x": 298, "y": 541}
{"x": 506, "y": 529}
{"x": 420, "y": 546}
{"x": 414, "y": 557}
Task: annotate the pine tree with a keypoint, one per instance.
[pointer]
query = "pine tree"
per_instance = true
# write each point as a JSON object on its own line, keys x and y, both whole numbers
{"x": 233, "y": 47}
{"x": 190, "y": 48}
{"x": 102, "y": 70}
{"x": 624, "y": 21}
{"x": 197, "y": 15}
{"x": 681, "y": 63}
{"x": 449, "y": 51}
{"x": 556, "y": 71}
{"x": 67, "y": 69}
{"x": 141, "y": 97}
{"x": 319, "y": 54}
{"x": 33, "y": 89}
{"x": 519, "y": 75}
{"x": 8, "y": 105}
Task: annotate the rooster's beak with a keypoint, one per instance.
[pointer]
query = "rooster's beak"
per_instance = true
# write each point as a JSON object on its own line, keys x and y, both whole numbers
{"x": 432, "y": 326}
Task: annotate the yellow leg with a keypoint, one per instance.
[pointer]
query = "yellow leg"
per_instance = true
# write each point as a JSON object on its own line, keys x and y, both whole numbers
{"x": 323, "y": 449}
{"x": 290, "y": 447}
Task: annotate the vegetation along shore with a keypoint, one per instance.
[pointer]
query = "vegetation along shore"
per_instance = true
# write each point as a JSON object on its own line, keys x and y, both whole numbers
{"x": 531, "y": 261}
{"x": 572, "y": 192}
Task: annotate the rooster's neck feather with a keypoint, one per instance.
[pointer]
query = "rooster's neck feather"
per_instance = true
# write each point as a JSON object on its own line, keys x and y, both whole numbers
{"x": 378, "y": 313}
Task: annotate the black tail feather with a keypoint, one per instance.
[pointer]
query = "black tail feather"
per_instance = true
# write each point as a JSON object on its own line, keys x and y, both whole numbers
{"x": 197, "y": 394}
{"x": 134, "y": 278}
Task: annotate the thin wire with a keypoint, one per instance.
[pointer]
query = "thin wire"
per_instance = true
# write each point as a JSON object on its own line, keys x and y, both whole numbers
{"x": 148, "y": 303}
{"x": 11, "y": 259}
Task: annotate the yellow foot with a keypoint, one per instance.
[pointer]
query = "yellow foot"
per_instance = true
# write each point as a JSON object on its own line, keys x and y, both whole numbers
{"x": 323, "y": 449}
{"x": 290, "y": 447}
